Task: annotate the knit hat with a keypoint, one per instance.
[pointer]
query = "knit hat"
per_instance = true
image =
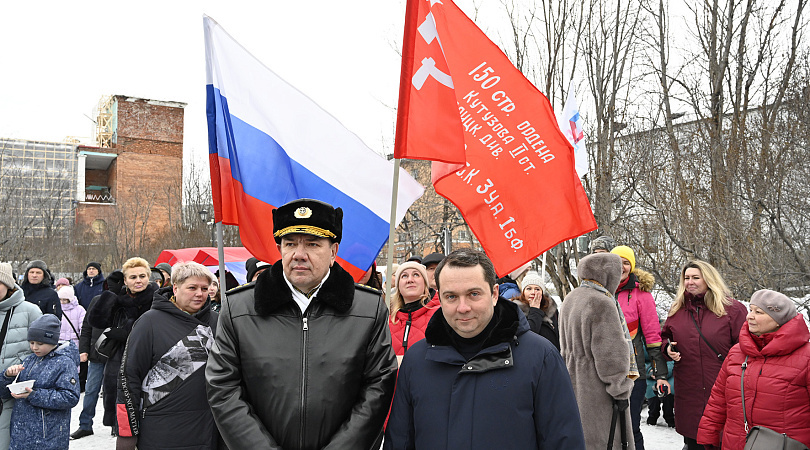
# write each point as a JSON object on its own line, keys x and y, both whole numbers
{"x": 603, "y": 242}
{"x": 411, "y": 265}
{"x": 166, "y": 267}
{"x": 45, "y": 329}
{"x": 67, "y": 292}
{"x": 531, "y": 278}
{"x": 94, "y": 264}
{"x": 6, "y": 275}
{"x": 626, "y": 253}
{"x": 778, "y": 306}
{"x": 62, "y": 282}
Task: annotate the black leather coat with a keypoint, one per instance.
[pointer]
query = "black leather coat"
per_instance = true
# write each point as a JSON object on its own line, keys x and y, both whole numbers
{"x": 278, "y": 378}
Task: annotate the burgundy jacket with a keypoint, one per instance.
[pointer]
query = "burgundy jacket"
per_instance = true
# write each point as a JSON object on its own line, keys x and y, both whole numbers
{"x": 696, "y": 371}
{"x": 777, "y": 387}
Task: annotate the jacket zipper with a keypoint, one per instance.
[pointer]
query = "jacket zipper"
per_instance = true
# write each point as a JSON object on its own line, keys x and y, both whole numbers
{"x": 304, "y": 330}
{"x": 407, "y": 332}
{"x": 42, "y": 412}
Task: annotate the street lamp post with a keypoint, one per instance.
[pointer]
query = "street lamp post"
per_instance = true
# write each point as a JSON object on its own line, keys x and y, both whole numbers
{"x": 204, "y": 217}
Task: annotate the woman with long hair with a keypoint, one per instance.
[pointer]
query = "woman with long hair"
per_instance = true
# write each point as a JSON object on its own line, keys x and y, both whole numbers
{"x": 703, "y": 324}
{"x": 118, "y": 311}
{"x": 539, "y": 308}
{"x": 411, "y": 307}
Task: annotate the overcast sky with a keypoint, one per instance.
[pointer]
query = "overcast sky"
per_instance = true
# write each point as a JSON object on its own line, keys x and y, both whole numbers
{"x": 58, "y": 59}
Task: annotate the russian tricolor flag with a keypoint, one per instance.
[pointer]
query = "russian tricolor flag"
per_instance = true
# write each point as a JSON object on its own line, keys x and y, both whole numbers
{"x": 270, "y": 144}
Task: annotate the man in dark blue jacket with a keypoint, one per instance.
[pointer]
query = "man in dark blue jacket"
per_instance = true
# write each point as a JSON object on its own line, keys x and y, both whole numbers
{"x": 480, "y": 379}
{"x": 91, "y": 285}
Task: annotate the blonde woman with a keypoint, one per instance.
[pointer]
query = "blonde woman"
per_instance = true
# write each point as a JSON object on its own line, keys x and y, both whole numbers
{"x": 118, "y": 312}
{"x": 703, "y": 324}
{"x": 411, "y": 307}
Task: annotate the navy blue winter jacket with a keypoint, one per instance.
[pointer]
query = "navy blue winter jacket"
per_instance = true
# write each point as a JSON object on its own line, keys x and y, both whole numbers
{"x": 89, "y": 288}
{"x": 42, "y": 420}
{"x": 514, "y": 394}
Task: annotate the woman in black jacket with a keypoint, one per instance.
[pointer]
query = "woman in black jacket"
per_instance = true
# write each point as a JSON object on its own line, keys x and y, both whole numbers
{"x": 539, "y": 308}
{"x": 163, "y": 389}
{"x": 118, "y": 311}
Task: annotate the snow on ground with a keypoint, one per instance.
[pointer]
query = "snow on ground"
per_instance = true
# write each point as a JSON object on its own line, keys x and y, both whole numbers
{"x": 655, "y": 437}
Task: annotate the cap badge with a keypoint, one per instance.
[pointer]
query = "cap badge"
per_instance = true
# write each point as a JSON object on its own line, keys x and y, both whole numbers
{"x": 303, "y": 213}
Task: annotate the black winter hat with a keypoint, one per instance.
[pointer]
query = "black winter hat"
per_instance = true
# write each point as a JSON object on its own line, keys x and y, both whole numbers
{"x": 308, "y": 216}
{"x": 433, "y": 258}
{"x": 93, "y": 264}
{"x": 45, "y": 329}
{"x": 253, "y": 265}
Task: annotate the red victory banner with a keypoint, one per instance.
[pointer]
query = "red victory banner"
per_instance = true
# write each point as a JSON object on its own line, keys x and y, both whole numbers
{"x": 502, "y": 159}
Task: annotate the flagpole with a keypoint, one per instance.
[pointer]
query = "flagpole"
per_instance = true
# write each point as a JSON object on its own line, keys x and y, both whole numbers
{"x": 221, "y": 255}
{"x": 543, "y": 271}
{"x": 391, "y": 228}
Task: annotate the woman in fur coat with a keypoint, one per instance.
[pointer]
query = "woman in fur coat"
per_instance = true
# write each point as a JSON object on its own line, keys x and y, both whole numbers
{"x": 597, "y": 350}
{"x": 118, "y": 312}
{"x": 637, "y": 303}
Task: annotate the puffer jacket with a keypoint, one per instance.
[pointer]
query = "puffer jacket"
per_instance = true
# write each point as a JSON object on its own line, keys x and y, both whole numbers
{"x": 74, "y": 313}
{"x": 89, "y": 288}
{"x": 15, "y": 347}
{"x": 515, "y": 393}
{"x": 278, "y": 378}
{"x": 41, "y": 421}
{"x": 409, "y": 326}
{"x": 641, "y": 316}
{"x": 163, "y": 376}
{"x": 777, "y": 387}
{"x": 697, "y": 370}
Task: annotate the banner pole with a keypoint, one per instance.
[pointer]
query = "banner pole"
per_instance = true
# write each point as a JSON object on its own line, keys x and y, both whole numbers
{"x": 221, "y": 255}
{"x": 391, "y": 229}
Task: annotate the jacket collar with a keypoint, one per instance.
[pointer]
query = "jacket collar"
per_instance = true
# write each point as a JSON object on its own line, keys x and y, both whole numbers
{"x": 790, "y": 336}
{"x": 271, "y": 291}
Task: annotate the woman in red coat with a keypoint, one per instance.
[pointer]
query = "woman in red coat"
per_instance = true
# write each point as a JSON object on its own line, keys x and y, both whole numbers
{"x": 411, "y": 307}
{"x": 703, "y": 306}
{"x": 774, "y": 345}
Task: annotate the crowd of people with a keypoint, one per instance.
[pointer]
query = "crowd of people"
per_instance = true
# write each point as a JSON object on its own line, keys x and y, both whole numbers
{"x": 301, "y": 356}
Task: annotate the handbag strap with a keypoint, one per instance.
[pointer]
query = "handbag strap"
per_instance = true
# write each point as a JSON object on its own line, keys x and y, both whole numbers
{"x": 742, "y": 392}
{"x": 71, "y": 325}
{"x": 5, "y": 325}
{"x": 719, "y": 355}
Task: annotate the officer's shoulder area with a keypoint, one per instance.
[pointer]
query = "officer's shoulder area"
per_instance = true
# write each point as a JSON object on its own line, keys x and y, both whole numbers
{"x": 369, "y": 289}
{"x": 242, "y": 288}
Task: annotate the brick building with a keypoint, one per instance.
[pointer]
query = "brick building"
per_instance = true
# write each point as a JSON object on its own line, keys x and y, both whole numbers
{"x": 130, "y": 187}
{"x": 115, "y": 199}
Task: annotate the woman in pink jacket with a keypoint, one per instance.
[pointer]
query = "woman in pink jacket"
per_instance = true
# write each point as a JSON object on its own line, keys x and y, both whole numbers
{"x": 775, "y": 350}
{"x": 637, "y": 303}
